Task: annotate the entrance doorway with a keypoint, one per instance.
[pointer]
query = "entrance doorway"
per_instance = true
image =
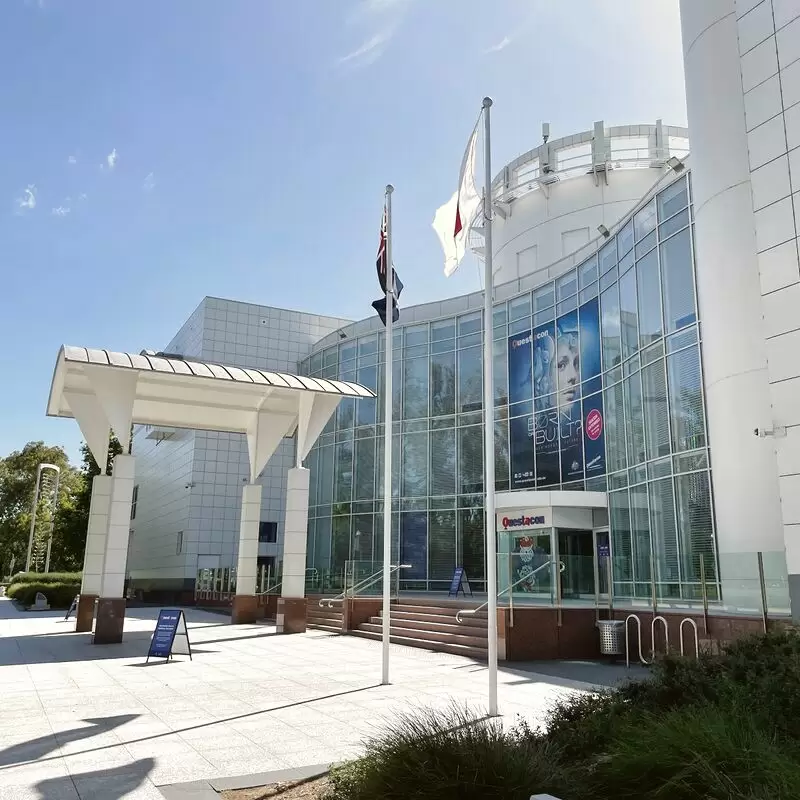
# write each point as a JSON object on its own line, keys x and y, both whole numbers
{"x": 576, "y": 553}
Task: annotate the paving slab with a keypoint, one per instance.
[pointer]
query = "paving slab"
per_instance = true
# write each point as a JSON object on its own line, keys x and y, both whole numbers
{"x": 85, "y": 721}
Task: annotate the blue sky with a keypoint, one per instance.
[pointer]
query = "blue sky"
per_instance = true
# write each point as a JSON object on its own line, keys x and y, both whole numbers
{"x": 156, "y": 152}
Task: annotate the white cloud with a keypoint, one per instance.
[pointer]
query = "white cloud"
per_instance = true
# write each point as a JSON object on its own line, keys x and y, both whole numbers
{"x": 111, "y": 159}
{"x": 382, "y": 19}
{"x": 149, "y": 182}
{"x": 28, "y": 200}
{"x": 501, "y": 45}
{"x": 72, "y": 160}
{"x": 61, "y": 211}
{"x": 370, "y": 51}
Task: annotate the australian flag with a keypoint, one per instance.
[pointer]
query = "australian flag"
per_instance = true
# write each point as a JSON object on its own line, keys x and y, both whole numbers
{"x": 381, "y": 266}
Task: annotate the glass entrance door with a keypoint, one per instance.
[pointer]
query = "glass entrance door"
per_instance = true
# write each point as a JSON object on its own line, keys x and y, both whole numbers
{"x": 576, "y": 553}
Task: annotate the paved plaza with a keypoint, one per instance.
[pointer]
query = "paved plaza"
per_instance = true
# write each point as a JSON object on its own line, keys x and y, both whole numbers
{"x": 84, "y": 721}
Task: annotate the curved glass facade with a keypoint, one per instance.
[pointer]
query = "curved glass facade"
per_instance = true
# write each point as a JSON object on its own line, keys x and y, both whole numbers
{"x": 598, "y": 386}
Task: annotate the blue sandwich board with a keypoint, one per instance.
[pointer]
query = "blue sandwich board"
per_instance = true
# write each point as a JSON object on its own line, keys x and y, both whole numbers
{"x": 460, "y": 583}
{"x": 171, "y": 636}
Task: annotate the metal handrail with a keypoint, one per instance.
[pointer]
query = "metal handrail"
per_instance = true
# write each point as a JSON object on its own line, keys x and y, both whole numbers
{"x": 524, "y": 578}
{"x": 365, "y": 583}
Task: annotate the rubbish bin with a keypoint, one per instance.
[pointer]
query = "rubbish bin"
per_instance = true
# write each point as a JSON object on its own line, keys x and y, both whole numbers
{"x": 612, "y": 637}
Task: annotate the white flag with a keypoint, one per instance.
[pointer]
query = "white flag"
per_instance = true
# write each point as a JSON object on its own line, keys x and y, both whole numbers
{"x": 454, "y": 219}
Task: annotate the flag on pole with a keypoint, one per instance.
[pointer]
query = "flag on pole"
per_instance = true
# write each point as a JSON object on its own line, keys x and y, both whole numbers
{"x": 453, "y": 220}
{"x": 381, "y": 267}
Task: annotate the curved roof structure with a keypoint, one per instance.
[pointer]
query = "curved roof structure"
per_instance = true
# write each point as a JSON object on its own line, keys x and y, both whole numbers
{"x": 103, "y": 390}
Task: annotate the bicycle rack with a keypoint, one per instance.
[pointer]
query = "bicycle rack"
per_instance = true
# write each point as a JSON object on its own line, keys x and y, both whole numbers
{"x": 653, "y": 634}
{"x": 696, "y": 637}
{"x": 638, "y": 636}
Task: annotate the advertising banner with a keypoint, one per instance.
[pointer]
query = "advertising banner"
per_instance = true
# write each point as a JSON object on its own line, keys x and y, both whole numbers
{"x": 520, "y": 367}
{"x": 570, "y": 422}
{"x": 544, "y": 367}
{"x": 521, "y": 440}
{"x": 594, "y": 425}
{"x": 545, "y": 436}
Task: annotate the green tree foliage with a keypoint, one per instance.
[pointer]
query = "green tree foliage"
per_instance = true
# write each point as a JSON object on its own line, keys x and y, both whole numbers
{"x": 17, "y": 484}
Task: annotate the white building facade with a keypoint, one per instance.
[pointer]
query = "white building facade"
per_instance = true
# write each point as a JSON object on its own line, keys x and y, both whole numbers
{"x": 667, "y": 285}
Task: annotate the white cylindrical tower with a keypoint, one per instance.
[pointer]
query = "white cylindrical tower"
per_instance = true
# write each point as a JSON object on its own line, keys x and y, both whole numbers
{"x": 745, "y": 475}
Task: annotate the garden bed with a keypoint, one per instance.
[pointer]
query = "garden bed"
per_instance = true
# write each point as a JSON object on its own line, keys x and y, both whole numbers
{"x": 297, "y": 790}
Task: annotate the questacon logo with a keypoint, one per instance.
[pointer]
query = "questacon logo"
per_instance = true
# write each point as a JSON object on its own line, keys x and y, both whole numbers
{"x": 518, "y": 522}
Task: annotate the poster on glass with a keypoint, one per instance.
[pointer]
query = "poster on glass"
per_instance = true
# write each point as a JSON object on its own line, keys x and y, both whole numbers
{"x": 570, "y": 422}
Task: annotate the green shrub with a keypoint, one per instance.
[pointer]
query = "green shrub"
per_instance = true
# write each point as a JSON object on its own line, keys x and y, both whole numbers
{"x": 448, "y": 755}
{"x": 46, "y": 577}
{"x": 59, "y": 595}
{"x": 693, "y": 753}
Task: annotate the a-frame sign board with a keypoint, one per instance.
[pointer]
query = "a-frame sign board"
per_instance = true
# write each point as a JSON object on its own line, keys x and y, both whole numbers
{"x": 171, "y": 636}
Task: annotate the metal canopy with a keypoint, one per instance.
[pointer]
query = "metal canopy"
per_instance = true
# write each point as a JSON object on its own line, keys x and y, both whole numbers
{"x": 105, "y": 390}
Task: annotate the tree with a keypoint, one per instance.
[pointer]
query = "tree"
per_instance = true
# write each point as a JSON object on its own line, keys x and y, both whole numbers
{"x": 17, "y": 483}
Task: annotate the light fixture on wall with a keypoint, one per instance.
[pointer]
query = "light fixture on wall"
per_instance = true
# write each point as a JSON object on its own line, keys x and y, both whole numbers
{"x": 675, "y": 164}
{"x": 342, "y": 335}
{"x": 604, "y": 231}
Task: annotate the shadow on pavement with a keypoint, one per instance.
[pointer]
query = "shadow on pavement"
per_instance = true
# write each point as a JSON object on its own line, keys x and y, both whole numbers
{"x": 108, "y": 784}
{"x": 34, "y": 749}
{"x": 566, "y": 673}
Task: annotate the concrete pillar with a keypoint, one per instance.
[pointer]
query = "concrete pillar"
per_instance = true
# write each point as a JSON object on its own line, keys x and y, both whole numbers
{"x": 744, "y": 466}
{"x": 94, "y": 554}
{"x": 245, "y": 603}
{"x": 111, "y": 604}
{"x": 291, "y": 613}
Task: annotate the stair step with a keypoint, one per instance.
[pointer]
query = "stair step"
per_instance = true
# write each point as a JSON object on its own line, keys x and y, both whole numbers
{"x": 319, "y": 626}
{"x": 449, "y": 627}
{"x": 477, "y": 653}
{"x": 427, "y": 636}
{"x": 441, "y": 619}
{"x": 440, "y": 611}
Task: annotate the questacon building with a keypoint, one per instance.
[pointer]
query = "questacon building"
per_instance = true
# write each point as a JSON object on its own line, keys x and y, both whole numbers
{"x": 646, "y": 357}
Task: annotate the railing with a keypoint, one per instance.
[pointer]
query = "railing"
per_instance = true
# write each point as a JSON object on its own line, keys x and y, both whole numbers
{"x": 362, "y": 585}
{"x": 524, "y": 579}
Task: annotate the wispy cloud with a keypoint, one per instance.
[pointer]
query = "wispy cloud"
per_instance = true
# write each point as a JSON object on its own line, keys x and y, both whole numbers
{"x": 149, "y": 183}
{"x": 382, "y": 19}
{"x": 27, "y": 202}
{"x": 501, "y": 45}
{"x": 61, "y": 211}
{"x": 111, "y": 159}
{"x": 72, "y": 160}
{"x": 370, "y": 51}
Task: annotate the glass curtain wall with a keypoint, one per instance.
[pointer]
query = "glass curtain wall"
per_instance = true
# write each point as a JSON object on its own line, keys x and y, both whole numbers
{"x": 598, "y": 386}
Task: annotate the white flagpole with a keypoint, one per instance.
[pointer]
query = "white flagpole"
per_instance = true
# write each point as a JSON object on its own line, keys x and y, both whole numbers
{"x": 488, "y": 412}
{"x": 387, "y": 450}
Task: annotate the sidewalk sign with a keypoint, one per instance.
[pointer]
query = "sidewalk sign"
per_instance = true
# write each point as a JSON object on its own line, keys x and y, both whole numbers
{"x": 73, "y": 607}
{"x": 460, "y": 583}
{"x": 171, "y": 636}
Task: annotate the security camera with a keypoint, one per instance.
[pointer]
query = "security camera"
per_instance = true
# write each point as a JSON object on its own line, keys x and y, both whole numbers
{"x": 188, "y": 486}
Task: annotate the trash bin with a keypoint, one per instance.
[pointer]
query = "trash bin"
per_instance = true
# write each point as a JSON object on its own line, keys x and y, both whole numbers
{"x": 612, "y": 637}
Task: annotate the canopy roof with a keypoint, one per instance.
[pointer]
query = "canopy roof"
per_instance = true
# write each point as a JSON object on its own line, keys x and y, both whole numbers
{"x": 104, "y": 390}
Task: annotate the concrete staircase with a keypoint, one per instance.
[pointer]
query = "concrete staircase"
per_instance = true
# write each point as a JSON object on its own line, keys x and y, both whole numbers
{"x": 432, "y": 626}
{"x": 324, "y": 619}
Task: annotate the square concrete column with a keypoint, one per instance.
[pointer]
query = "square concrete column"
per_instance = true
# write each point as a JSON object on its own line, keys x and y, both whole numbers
{"x": 245, "y": 603}
{"x": 94, "y": 554}
{"x": 291, "y": 613}
{"x": 111, "y": 604}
